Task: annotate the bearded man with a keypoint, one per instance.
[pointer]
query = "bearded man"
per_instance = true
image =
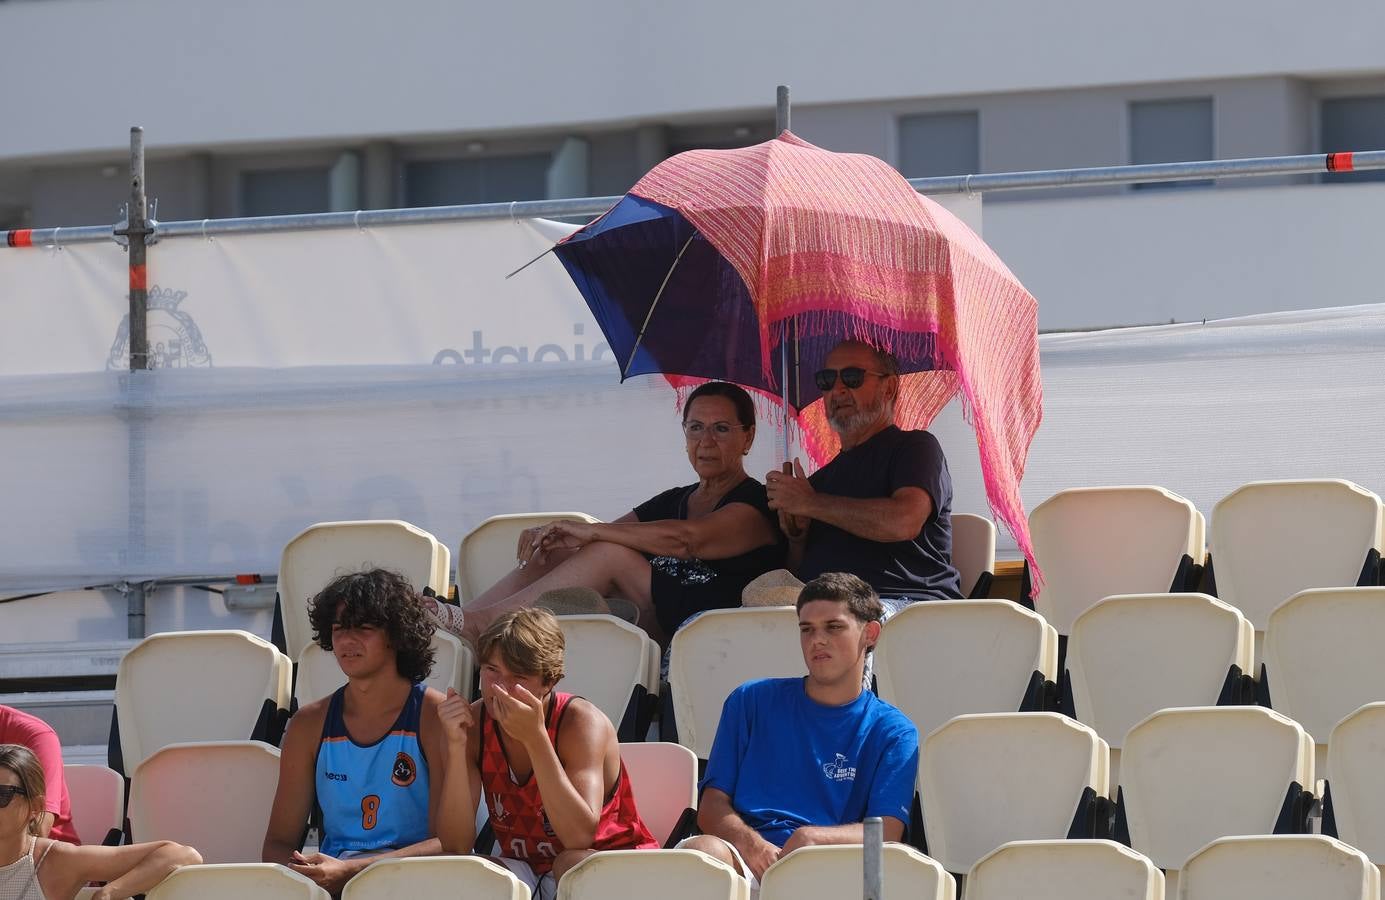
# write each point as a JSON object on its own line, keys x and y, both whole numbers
{"x": 881, "y": 508}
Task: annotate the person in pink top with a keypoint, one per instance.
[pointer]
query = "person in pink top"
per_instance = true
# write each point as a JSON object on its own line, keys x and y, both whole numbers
{"x": 18, "y": 727}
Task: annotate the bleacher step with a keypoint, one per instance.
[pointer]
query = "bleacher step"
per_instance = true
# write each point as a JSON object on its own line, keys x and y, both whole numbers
{"x": 81, "y": 718}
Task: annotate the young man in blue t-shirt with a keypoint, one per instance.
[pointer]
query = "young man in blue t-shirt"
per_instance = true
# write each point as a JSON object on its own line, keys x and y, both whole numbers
{"x": 803, "y": 761}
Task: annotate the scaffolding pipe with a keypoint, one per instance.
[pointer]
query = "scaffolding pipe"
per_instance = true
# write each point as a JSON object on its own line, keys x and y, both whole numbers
{"x": 1312, "y": 164}
{"x": 137, "y": 232}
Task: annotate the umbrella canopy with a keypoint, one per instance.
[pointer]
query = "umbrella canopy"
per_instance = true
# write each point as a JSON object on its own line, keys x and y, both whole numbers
{"x": 718, "y": 263}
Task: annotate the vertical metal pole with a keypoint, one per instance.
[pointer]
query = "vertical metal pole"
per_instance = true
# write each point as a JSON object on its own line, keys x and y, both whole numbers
{"x": 874, "y": 850}
{"x": 781, "y": 125}
{"x": 137, "y": 231}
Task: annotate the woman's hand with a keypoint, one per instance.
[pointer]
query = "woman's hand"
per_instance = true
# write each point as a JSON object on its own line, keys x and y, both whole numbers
{"x": 562, "y": 534}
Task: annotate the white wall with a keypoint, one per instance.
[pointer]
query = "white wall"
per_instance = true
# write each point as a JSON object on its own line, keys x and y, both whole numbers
{"x": 1146, "y": 257}
{"x": 265, "y": 71}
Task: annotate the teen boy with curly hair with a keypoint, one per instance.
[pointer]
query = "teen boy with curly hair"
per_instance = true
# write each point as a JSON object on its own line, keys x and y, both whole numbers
{"x": 365, "y": 755}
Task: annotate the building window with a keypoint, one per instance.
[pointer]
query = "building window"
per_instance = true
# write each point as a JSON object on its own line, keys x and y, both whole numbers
{"x": 487, "y": 179}
{"x": 1171, "y": 131}
{"x": 1353, "y": 123}
{"x": 283, "y": 192}
{"x": 939, "y": 144}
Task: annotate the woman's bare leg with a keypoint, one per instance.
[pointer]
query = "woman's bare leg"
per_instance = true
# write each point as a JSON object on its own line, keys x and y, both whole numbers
{"x": 609, "y": 569}
{"x": 517, "y": 579}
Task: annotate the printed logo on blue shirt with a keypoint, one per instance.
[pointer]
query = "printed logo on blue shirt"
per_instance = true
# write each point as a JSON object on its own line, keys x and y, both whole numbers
{"x": 838, "y": 770}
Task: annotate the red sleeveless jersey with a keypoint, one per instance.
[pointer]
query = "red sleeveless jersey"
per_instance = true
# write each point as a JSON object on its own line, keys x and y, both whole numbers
{"x": 521, "y": 827}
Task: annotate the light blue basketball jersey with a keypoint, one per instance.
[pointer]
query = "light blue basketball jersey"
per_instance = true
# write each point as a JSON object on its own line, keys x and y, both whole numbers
{"x": 374, "y": 798}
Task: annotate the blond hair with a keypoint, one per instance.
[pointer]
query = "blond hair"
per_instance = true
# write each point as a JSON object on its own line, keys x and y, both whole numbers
{"x": 21, "y": 761}
{"x": 529, "y": 642}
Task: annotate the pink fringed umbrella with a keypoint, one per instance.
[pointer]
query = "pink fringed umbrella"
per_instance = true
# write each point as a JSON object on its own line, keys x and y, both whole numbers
{"x": 748, "y": 264}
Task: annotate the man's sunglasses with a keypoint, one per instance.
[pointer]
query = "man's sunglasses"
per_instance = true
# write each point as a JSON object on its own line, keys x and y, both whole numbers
{"x": 852, "y": 376}
{"x": 8, "y": 792}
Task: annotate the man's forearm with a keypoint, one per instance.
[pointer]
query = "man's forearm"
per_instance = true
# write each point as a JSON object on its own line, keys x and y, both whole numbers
{"x": 574, "y": 821}
{"x": 428, "y": 847}
{"x": 854, "y": 833}
{"x": 882, "y": 519}
{"x": 455, "y": 817}
{"x": 721, "y": 820}
{"x": 275, "y": 851}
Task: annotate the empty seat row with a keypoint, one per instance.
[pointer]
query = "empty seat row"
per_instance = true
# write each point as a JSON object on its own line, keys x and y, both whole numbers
{"x": 1256, "y": 867}
{"x": 1268, "y": 540}
{"x": 1278, "y": 867}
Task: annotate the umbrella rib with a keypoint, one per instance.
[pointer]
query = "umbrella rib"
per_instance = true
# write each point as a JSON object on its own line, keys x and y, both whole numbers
{"x": 649, "y": 315}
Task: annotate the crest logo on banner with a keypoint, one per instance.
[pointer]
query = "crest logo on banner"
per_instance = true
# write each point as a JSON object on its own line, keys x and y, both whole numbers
{"x": 175, "y": 341}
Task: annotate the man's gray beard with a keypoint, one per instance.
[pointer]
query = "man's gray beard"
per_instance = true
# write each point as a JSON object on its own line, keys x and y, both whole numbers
{"x": 860, "y": 419}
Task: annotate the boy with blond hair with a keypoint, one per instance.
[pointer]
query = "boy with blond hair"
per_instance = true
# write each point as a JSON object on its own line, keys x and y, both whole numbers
{"x": 547, "y": 762}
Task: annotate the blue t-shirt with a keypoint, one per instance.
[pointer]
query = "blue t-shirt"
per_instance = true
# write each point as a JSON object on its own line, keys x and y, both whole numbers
{"x": 787, "y": 761}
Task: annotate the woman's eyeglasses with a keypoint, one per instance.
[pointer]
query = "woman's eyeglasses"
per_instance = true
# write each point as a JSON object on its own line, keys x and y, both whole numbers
{"x": 720, "y": 431}
{"x": 8, "y": 792}
{"x": 852, "y": 376}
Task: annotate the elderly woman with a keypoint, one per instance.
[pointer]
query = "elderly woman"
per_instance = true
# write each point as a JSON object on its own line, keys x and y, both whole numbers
{"x": 37, "y": 868}
{"x": 683, "y": 551}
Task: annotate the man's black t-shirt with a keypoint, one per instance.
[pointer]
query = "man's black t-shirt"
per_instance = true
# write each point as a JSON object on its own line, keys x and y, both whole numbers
{"x": 920, "y": 568}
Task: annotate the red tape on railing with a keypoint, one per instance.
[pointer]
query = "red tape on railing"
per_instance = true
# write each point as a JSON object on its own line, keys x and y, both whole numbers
{"x": 1340, "y": 162}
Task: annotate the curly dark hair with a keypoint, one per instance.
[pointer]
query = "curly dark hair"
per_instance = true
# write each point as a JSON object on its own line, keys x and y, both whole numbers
{"x": 386, "y": 600}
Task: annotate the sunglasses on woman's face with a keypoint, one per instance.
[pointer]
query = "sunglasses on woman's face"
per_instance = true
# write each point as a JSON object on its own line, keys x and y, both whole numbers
{"x": 8, "y": 792}
{"x": 852, "y": 376}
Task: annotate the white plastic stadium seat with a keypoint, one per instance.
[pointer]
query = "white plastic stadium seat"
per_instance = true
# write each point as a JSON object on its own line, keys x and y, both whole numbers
{"x": 1189, "y": 776}
{"x": 665, "y": 874}
{"x": 237, "y": 881}
{"x": 1356, "y": 777}
{"x": 607, "y": 661}
{"x": 950, "y": 657}
{"x": 1099, "y": 541}
{"x": 487, "y": 553}
{"x": 197, "y": 686}
{"x": 435, "y": 876}
{"x": 1272, "y": 539}
{"x": 996, "y": 777}
{"x": 721, "y": 650}
{"x": 664, "y": 779}
{"x": 214, "y": 796}
{"x": 1278, "y": 867}
{"x": 1322, "y": 656}
{"x": 836, "y": 872}
{"x": 973, "y": 549}
{"x": 1134, "y": 654}
{"x": 98, "y": 801}
{"x": 319, "y": 674}
{"x": 327, "y": 550}
{"x": 1061, "y": 870}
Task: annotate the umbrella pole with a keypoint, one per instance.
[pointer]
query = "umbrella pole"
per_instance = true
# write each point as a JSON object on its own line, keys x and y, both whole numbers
{"x": 781, "y": 125}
